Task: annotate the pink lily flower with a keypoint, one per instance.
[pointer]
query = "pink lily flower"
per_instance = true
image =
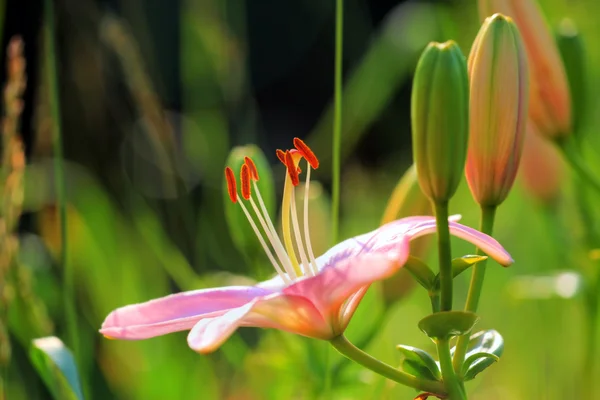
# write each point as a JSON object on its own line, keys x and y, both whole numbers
{"x": 315, "y": 297}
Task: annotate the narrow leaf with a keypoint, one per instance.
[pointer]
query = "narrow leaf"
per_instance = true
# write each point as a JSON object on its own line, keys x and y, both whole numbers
{"x": 421, "y": 272}
{"x": 477, "y": 363}
{"x": 419, "y": 363}
{"x": 55, "y": 364}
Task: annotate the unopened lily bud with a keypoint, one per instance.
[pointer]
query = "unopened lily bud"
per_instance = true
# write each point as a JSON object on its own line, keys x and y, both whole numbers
{"x": 439, "y": 117}
{"x": 572, "y": 51}
{"x": 242, "y": 234}
{"x": 542, "y": 168}
{"x": 550, "y": 104}
{"x": 498, "y": 109}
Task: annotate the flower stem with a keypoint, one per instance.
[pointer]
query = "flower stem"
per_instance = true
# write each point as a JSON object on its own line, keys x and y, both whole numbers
{"x": 59, "y": 176}
{"x": 451, "y": 382}
{"x": 488, "y": 213}
{"x": 355, "y": 354}
{"x": 337, "y": 119}
{"x": 444, "y": 254}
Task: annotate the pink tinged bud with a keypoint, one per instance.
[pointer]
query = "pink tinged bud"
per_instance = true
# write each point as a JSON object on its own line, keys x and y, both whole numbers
{"x": 550, "y": 104}
{"x": 498, "y": 109}
{"x": 542, "y": 168}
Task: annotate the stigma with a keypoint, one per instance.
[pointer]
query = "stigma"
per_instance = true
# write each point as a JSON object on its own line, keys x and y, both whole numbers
{"x": 289, "y": 262}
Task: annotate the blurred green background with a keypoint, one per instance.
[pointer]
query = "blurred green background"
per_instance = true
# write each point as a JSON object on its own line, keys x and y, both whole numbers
{"x": 153, "y": 96}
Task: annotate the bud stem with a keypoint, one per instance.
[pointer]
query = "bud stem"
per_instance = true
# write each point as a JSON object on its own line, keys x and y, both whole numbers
{"x": 488, "y": 213}
{"x": 357, "y": 355}
{"x": 444, "y": 254}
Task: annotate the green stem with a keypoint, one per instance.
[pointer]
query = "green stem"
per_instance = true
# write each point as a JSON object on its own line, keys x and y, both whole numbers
{"x": 435, "y": 302}
{"x": 59, "y": 176}
{"x": 444, "y": 254}
{"x": 355, "y": 354}
{"x": 576, "y": 162}
{"x": 451, "y": 382}
{"x": 337, "y": 119}
{"x": 488, "y": 213}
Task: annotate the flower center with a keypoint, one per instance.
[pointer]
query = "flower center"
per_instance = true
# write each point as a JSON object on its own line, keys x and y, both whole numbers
{"x": 285, "y": 263}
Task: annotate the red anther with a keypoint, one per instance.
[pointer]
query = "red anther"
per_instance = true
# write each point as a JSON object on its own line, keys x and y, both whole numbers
{"x": 307, "y": 153}
{"x": 281, "y": 155}
{"x": 291, "y": 168}
{"x": 231, "y": 187}
{"x": 245, "y": 181}
{"x": 253, "y": 171}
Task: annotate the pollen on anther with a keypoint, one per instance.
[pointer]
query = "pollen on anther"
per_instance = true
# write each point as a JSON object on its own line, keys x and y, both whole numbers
{"x": 231, "y": 186}
{"x": 307, "y": 153}
{"x": 281, "y": 155}
{"x": 245, "y": 180}
{"x": 253, "y": 171}
{"x": 292, "y": 168}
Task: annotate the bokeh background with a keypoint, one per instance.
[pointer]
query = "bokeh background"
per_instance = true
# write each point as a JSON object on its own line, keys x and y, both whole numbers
{"x": 155, "y": 94}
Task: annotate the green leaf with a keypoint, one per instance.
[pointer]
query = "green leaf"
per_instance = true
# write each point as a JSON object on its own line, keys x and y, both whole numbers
{"x": 56, "y": 366}
{"x": 463, "y": 263}
{"x": 459, "y": 265}
{"x": 477, "y": 363}
{"x": 420, "y": 271}
{"x": 484, "y": 349}
{"x": 445, "y": 324}
{"x": 419, "y": 363}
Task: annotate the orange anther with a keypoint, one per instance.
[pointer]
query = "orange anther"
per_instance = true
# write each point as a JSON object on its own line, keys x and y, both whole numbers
{"x": 281, "y": 155}
{"x": 245, "y": 180}
{"x": 307, "y": 153}
{"x": 231, "y": 187}
{"x": 253, "y": 171}
{"x": 292, "y": 168}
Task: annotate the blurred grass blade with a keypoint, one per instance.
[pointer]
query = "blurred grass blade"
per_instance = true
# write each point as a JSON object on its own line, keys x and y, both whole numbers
{"x": 56, "y": 366}
{"x": 59, "y": 174}
{"x": 375, "y": 81}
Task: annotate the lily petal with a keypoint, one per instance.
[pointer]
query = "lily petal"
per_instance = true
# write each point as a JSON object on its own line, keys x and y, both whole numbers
{"x": 290, "y": 313}
{"x": 176, "y": 312}
{"x": 486, "y": 243}
{"x": 385, "y": 238}
{"x": 336, "y": 283}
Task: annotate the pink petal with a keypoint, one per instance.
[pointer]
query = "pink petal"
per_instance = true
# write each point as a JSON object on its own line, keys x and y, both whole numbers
{"x": 290, "y": 313}
{"x": 336, "y": 283}
{"x": 385, "y": 238}
{"x": 388, "y": 237}
{"x": 176, "y": 312}
{"x": 486, "y": 243}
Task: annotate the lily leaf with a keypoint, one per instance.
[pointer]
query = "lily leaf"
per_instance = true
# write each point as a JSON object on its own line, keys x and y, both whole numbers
{"x": 56, "y": 366}
{"x": 420, "y": 271}
{"x": 460, "y": 265}
{"x": 463, "y": 263}
{"x": 484, "y": 349}
{"x": 477, "y": 363}
{"x": 445, "y": 324}
{"x": 419, "y": 363}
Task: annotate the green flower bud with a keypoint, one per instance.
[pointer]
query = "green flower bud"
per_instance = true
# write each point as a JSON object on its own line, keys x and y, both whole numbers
{"x": 572, "y": 51}
{"x": 440, "y": 118}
